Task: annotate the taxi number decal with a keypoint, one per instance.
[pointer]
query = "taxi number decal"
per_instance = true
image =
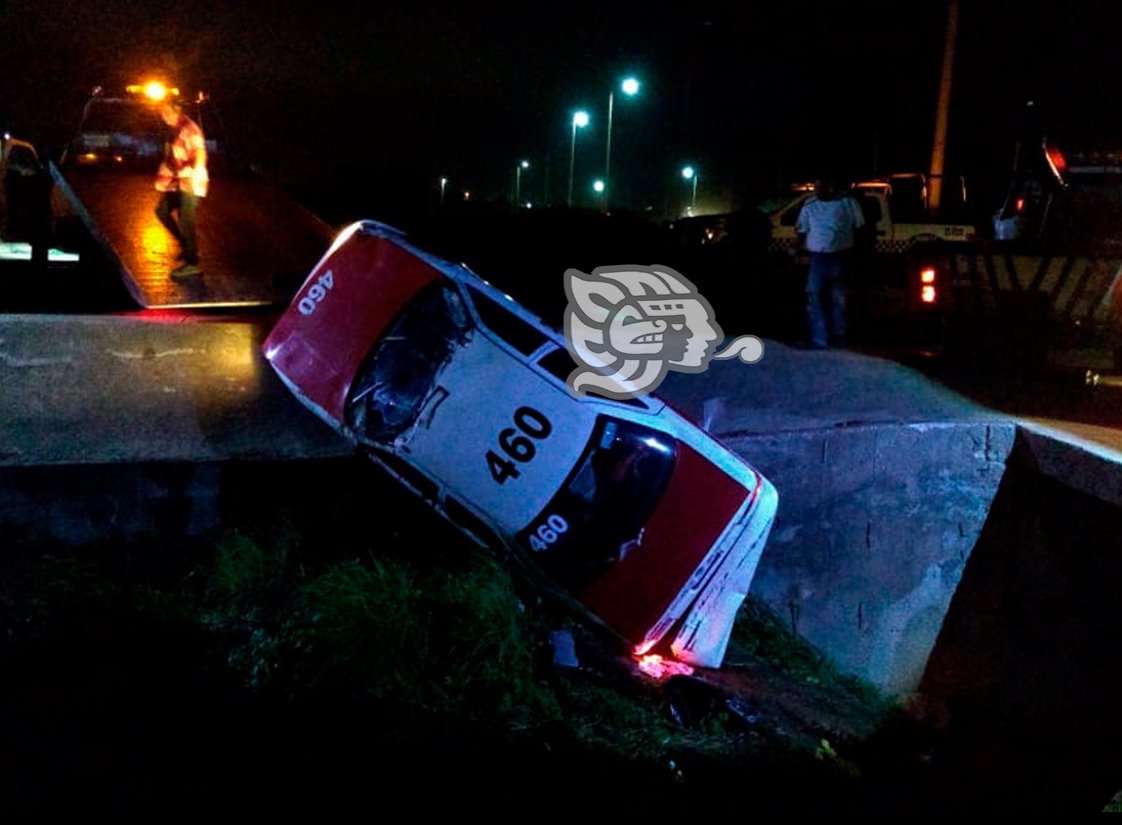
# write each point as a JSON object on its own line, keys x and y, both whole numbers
{"x": 548, "y": 532}
{"x": 316, "y": 293}
{"x": 532, "y": 425}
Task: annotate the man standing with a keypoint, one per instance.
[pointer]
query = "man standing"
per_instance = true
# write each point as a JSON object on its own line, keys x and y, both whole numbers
{"x": 827, "y": 227}
{"x": 182, "y": 179}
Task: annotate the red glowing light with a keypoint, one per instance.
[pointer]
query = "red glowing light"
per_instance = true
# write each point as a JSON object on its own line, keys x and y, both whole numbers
{"x": 1056, "y": 160}
{"x": 927, "y": 275}
{"x": 928, "y": 294}
{"x": 659, "y": 668}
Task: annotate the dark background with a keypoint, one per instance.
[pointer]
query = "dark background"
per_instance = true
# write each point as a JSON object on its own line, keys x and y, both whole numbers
{"x": 384, "y": 99}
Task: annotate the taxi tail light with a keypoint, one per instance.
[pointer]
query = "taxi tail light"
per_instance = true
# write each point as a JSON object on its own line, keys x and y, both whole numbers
{"x": 1057, "y": 161}
{"x": 659, "y": 668}
{"x": 928, "y": 286}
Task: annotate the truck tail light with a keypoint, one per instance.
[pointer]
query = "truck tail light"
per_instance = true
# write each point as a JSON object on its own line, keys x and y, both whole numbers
{"x": 928, "y": 291}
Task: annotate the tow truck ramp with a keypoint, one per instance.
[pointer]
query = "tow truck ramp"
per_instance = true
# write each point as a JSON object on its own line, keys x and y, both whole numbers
{"x": 256, "y": 244}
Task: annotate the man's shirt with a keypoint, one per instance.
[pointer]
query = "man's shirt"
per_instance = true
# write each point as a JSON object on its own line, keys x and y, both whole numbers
{"x": 184, "y": 167}
{"x": 830, "y": 226}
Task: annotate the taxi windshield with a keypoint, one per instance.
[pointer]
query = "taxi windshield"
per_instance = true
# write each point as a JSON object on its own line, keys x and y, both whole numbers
{"x": 400, "y": 371}
{"x": 598, "y": 517}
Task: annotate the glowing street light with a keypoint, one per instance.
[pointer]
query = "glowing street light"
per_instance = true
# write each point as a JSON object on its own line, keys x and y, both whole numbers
{"x": 599, "y": 187}
{"x": 443, "y": 185}
{"x": 691, "y": 174}
{"x": 525, "y": 164}
{"x": 580, "y": 120}
{"x": 630, "y": 87}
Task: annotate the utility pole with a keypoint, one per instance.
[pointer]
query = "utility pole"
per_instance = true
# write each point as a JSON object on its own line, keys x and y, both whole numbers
{"x": 939, "y": 147}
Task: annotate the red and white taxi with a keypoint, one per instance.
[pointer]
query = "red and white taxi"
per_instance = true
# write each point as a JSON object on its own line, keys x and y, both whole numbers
{"x": 460, "y": 393}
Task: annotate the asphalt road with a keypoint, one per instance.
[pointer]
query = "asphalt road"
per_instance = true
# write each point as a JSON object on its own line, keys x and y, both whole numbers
{"x": 1075, "y": 398}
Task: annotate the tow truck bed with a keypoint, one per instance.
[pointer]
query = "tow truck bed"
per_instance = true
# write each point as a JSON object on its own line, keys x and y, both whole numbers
{"x": 256, "y": 244}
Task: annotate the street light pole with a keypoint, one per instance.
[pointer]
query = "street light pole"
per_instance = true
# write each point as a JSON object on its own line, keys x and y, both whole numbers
{"x": 630, "y": 86}
{"x": 580, "y": 119}
{"x": 525, "y": 164}
{"x": 608, "y": 148}
{"x": 691, "y": 174}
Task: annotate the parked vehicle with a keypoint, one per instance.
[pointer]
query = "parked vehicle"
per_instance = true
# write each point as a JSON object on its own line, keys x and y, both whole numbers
{"x": 895, "y": 208}
{"x": 642, "y": 519}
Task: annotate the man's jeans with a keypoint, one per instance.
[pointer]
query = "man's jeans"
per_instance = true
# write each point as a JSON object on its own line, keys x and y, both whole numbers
{"x": 184, "y": 203}
{"x": 826, "y": 296}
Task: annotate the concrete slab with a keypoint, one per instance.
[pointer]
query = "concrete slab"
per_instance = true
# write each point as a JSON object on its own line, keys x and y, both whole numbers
{"x": 103, "y": 389}
{"x": 799, "y": 389}
{"x": 1085, "y": 457}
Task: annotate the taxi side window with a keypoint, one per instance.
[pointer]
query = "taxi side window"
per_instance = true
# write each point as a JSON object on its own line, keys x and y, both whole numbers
{"x": 520, "y": 334}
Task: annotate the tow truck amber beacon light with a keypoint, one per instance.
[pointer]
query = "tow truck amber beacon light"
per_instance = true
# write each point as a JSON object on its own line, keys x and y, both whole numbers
{"x": 155, "y": 90}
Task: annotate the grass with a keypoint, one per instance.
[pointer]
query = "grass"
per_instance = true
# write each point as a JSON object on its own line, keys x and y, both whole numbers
{"x": 434, "y": 656}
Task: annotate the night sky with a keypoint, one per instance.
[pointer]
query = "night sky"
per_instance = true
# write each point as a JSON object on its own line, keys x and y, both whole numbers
{"x": 392, "y": 96}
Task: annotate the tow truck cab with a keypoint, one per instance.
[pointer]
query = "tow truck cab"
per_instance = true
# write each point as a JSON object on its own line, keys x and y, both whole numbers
{"x": 126, "y": 131}
{"x": 1064, "y": 200}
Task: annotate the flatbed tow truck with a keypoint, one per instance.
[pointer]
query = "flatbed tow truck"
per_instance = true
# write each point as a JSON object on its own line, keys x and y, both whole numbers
{"x": 1047, "y": 286}
{"x": 256, "y": 242}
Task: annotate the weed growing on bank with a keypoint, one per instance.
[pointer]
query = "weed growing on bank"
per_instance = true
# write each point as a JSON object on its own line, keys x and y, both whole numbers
{"x": 403, "y": 649}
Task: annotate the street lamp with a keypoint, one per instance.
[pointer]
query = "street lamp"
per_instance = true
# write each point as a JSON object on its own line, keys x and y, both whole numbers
{"x": 580, "y": 120}
{"x": 525, "y": 164}
{"x": 599, "y": 187}
{"x": 443, "y": 184}
{"x": 630, "y": 87}
{"x": 691, "y": 174}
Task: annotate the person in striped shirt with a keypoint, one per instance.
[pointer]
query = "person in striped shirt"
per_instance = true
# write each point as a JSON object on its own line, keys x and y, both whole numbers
{"x": 182, "y": 180}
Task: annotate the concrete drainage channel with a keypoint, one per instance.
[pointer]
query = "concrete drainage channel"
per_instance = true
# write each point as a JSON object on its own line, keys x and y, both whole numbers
{"x": 973, "y": 570}
{"x": 960, "y": 560}
{"x": 873, "y": 536}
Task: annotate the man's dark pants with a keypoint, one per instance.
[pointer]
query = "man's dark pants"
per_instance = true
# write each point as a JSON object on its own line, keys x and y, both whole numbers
{"x": 183, "y": 228}
{"x": 826, "y": 286}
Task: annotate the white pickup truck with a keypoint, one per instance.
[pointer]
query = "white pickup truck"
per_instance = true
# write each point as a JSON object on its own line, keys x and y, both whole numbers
{"x": 896, "y": 207}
